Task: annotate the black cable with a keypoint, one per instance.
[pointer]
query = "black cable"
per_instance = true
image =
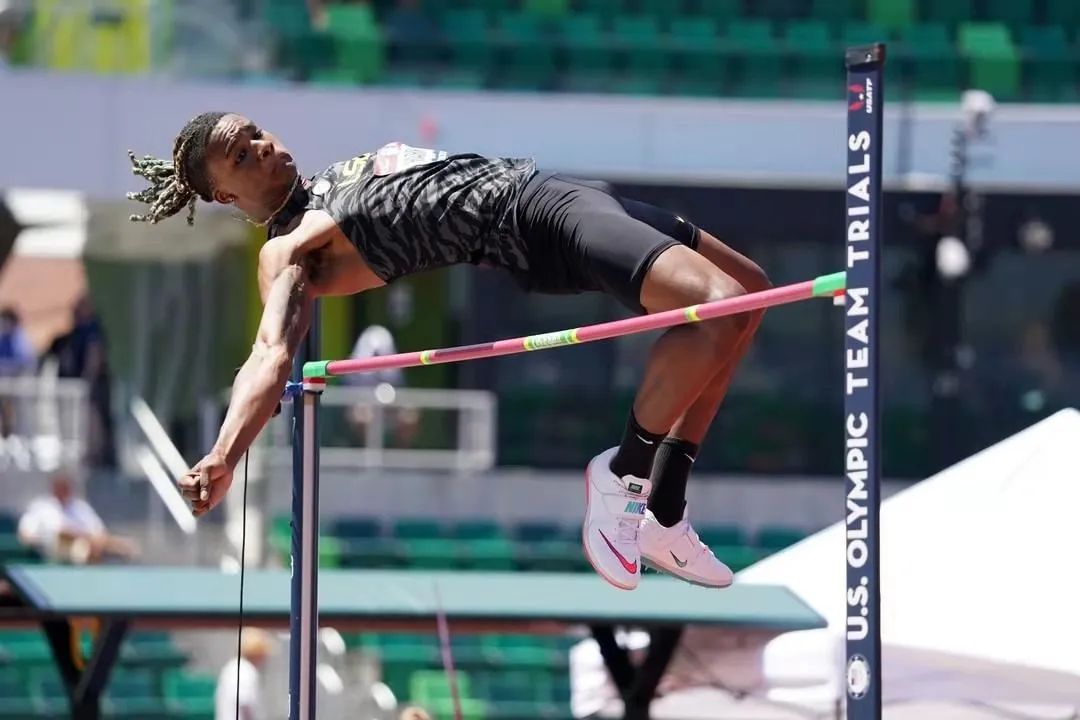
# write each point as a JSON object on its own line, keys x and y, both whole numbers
{"x": 243, "y": 543}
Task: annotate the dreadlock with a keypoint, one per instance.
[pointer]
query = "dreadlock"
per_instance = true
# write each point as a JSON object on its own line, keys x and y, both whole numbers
{"x": 180, "y": 182}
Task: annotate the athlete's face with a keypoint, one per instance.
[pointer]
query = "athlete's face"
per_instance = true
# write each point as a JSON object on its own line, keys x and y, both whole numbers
{"x": 248, "y": 166}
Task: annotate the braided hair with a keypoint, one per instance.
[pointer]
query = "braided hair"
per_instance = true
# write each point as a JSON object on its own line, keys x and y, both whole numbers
{"x": 182, "y": 181}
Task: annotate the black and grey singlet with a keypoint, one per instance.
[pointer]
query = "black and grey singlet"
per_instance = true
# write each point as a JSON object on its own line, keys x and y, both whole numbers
{"x": 411, "y": 209}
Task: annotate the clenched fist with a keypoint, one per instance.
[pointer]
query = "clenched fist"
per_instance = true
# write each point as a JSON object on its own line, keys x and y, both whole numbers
{"x": 205, "y": 485}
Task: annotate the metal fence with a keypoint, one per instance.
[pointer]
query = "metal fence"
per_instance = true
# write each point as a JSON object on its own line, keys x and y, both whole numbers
{"x": 43, "y": 422}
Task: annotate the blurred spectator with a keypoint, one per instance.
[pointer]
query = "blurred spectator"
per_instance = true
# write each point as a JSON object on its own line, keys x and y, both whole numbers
{"x": 81, "y": 353}
{"x": 244, "y": 688}
{"x": 65, "y": 528}
{"x": 376, "y": 341}
{"x": 16, "y": 358}
{"x": 16, "y": 352}
{"x": 414, "y": 713}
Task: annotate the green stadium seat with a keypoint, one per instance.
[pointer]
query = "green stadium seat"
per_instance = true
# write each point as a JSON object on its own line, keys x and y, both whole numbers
{"x": 550, "y": 9}
{"x": 602, "y": 8}
{"x": 413, "y": 38}
{"x": 493, "y": 9}
{"x": 738, "y": 557}
{"x": 552, "y": 556}
{"x": 356, "y": 527}
{"x": 644, "y": 55}
{"x": 190, "y": 696}
{"x": 589, "y": 54}
{"x": 994, "y": 64}
{"x": 358, "y": 40}
{"x": 537, "y": 531}
{"x": 930, "y": 66}
{"x": 418, "y": 529}
{"x": 423, "y": 553}
{"x": 477, "y": 530}
{"x": 730, "y": 535}
{"x": 522, "y": 652}
{"x": 517, "y": 695}
{"x": 758, "y": 58}
{"x": 458, "y": 78}
{"x": 896, "y": 15}
{"x": 487, "y": 554}
{"x": 815, "y": 63}
{"x": 721, "y": 12}
{"x": 863, "y": 33}
{"x": 772, "y": 538}
{"x": 1014, "y": 13}
{"x": 949, "y": 12}
{"x": 16, "y": 701}
{"x": 25, "y": 647}
{"x": 153, "y": 649}
{"x": 837, "y": 12}
{"x": 431, "y": 690}
{"x": 703, "y": 68}
{"x": 1049, "y": 70}
{"x": 9, "y": 524}
{"x": 468, "y": 650}
{"x": 467, "y": 35}
{"x": 1063, "y": 12}
{"x": 664, "y": 11}
{"x": 134, "y": 694}
{"x": 530, "y": 59}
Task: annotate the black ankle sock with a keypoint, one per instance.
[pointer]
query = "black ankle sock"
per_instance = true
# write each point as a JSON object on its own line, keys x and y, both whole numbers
{"x": 635, "y": 454}
{"x": 674, "y": 459}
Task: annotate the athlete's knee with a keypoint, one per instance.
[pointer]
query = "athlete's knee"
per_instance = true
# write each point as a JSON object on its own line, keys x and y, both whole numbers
{"x": 724, "y": 330}
{"x": 755, "y": 279}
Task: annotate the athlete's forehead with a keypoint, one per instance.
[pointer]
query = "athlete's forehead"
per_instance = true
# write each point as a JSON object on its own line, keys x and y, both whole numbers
{"x": 225, "y": 133}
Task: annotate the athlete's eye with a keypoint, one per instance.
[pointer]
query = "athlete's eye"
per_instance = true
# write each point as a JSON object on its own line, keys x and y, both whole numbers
{"x": 258, "y": 135}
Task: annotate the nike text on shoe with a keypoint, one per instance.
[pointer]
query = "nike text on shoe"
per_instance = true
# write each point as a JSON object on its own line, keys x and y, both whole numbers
{"x": 678, "y": 551}
{"x": 613, "y": 510}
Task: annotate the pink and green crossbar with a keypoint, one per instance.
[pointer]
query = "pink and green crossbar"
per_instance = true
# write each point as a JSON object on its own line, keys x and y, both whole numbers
{"x": 823, "y": 286}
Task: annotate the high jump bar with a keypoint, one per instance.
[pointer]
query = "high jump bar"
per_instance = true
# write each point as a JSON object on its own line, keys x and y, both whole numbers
{"x": 822, "y": 286}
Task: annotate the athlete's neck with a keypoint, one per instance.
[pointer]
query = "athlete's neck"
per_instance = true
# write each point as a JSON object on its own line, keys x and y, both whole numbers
{"x": 268, "y": 214}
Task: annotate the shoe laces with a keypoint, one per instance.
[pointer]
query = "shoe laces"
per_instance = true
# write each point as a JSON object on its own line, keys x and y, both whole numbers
{"x": 627, "y": 530}
{"x": 695, "y": 541}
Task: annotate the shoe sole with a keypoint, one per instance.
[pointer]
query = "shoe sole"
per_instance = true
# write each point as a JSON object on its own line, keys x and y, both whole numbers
{"x": 585, "y": 542}
{"x": 664, "y": 571}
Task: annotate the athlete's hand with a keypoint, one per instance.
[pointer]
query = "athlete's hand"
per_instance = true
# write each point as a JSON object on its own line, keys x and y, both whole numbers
{"x": 205, "y": 485}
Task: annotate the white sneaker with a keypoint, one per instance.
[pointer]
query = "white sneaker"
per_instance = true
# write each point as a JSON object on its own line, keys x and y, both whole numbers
{"x": 613, "y": 510}
{"x": 678, "y": 551}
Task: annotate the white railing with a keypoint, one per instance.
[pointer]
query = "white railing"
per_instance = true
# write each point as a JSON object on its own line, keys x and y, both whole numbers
{"x": 161, "y": 463}
{"x": 473, "y": 429}
{"x": 43, "y": 422}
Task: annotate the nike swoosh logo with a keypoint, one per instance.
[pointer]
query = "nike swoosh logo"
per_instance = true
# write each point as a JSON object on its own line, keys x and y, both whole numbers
{"x": 630, "y": 567}
{"x": 647, "y": 442}
{"x": 680, "y": 563}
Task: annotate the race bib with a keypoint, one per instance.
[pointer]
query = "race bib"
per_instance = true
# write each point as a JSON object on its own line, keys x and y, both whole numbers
{"x": 396, "y": 157}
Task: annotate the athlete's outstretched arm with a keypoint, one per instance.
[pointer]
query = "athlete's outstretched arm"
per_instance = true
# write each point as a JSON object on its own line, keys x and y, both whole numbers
{"x": 259, "y": 383}
{"x": 257, "y": 388}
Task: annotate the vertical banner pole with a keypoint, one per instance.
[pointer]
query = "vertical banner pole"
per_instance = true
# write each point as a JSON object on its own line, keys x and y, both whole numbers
{"x": 304, "y": 613}
{"x": 862, "y": 411}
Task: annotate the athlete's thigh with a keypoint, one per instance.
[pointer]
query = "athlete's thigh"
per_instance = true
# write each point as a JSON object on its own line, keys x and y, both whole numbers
{"x": 733, "y": 263}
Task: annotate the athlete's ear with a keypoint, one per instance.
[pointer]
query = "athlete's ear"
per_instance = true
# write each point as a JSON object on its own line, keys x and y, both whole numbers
{"x": 223, "y": 197}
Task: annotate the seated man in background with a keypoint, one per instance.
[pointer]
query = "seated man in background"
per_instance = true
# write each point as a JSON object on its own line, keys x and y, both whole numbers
{"x": 65, "y": 528}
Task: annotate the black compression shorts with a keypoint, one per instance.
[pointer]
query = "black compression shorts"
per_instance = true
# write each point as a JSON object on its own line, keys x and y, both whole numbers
{"x": 581, "y": 237}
